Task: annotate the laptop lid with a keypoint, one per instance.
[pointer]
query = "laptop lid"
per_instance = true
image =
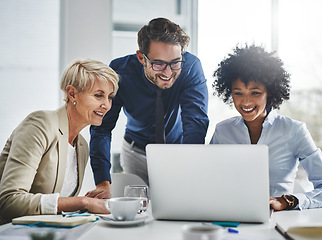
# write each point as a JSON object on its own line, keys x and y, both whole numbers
{"x": 209, "y": 182}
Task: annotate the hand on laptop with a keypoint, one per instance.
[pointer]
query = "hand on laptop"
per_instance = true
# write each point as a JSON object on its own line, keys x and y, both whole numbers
{"x": 285, "y": 202}
{"x": 277, "y": 203}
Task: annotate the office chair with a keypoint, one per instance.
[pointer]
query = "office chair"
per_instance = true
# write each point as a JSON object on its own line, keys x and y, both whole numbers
{"x": 120, "y": 180}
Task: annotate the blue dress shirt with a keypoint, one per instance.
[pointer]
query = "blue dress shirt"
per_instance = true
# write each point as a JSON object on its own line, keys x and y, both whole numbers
{"x": 185, "y": 103}
{"x": 289, "y": 143}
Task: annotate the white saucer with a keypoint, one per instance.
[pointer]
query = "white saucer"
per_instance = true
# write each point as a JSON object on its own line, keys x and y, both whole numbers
{"x": 108, "y": 218}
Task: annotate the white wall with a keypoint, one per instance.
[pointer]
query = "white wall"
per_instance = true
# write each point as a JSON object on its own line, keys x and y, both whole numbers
{"x": 85, "y": 30}
{"x": 38, "y": 40}
{"x": 29, "y": 54}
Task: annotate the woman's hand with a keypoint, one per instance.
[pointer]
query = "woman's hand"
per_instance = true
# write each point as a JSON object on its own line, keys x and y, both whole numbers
{"x": 94, "y": 205}
{"x": 102, "y": 191}
{"x": 71, "y": 204}
{"x": 277, "y": 203}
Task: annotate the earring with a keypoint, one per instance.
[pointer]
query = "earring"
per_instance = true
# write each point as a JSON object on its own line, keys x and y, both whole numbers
{"x": 74, "y": 103}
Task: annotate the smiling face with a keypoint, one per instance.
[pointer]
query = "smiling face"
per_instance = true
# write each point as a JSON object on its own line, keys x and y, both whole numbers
{"x": 161, "y": 52}
{"x": 250, "y": 101}
{"x": 93, "y": 103}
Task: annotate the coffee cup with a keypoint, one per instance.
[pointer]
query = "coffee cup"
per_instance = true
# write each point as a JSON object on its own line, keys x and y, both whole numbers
{"x": 123, "y": 208}
{"x": 202, "y": 232}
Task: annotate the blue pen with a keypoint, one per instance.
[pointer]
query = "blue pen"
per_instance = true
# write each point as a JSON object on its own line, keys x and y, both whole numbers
{"x": 231, "y": 230}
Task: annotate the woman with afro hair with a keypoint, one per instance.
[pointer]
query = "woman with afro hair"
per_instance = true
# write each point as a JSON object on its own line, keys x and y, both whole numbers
{"x": 256, "y": 82}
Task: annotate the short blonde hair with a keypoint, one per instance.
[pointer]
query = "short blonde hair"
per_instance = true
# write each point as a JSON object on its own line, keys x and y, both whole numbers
{"x": 82, "y": 74}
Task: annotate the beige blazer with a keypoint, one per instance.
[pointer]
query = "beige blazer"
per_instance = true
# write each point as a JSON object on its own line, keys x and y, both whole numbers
{"x": 33, "y": 162}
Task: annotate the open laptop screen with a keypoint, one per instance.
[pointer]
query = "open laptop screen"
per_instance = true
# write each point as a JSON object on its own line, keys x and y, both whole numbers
{"x": 209, "y": 182}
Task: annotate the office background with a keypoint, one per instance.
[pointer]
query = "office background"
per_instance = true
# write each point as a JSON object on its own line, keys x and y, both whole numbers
{"x": 39, "y": 38}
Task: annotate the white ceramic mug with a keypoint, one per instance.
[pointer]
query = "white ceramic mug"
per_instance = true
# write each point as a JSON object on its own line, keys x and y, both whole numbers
{"x": 202, "y": 232}
{"x": 123, "y": 208}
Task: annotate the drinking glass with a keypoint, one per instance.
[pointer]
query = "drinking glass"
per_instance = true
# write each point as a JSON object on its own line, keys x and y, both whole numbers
{"x": 138, "y": 191}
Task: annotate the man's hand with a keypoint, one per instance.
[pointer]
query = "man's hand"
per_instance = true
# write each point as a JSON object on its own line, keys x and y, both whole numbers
{"x": 277, "y": 203}
{"x": 102, "y": 191}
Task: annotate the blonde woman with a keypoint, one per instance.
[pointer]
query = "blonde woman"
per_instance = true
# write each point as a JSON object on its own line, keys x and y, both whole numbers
{"x": 42, "y": 163}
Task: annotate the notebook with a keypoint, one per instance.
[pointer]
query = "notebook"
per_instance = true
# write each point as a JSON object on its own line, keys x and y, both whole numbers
{"x": 54, "y": 220}
{"x": 209, "y": 182}
{"x": 299, "y": 225}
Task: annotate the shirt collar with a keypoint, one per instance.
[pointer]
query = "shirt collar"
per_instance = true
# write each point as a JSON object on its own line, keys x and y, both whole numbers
{"x": 239, "y": 120}
{"x": 268, "y": 120}
{"x": 270, "y": 117}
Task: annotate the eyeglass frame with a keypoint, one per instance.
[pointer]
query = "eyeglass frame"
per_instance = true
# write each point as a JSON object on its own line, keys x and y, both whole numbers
{"x": 166, "y": 63}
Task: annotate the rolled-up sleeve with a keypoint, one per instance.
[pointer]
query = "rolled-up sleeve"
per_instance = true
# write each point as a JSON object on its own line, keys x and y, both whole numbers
{"x": 311, "y": 159}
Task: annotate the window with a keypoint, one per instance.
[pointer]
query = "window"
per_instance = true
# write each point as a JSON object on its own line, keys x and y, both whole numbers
{"x": 29, "y": 48}
{"x": 299, "y": 38}
{"x": 223, "y": 25}
{"x": 290, "y": 26}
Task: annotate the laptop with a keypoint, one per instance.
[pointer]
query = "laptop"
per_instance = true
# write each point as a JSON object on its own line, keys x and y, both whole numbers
{"x": 209, "y": 182}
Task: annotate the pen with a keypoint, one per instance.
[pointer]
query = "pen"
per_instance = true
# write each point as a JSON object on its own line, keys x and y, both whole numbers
{"x": 231, "y": 230}
{"x": 75, "y": 214}
{"x": 226, "y": 224}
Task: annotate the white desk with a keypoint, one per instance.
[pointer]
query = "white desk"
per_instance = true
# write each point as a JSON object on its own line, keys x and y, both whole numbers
{"x": 168, "y": 230}
{"x": 171, "y": 230}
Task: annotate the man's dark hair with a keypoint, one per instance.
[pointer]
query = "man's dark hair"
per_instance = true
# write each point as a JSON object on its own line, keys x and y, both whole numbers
{"x": 161, "y": 30}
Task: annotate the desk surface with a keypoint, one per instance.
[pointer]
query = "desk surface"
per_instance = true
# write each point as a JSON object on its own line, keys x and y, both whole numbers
{"x": 169, "y": 230}
{"x": 155, "y": 230}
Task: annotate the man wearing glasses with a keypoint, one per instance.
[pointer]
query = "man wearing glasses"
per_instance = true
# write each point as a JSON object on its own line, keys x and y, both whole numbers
{"x": 160, "y": 79}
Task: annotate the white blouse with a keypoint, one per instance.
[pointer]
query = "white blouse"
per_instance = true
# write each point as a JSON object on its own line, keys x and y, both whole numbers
{"x": 290, "y": 144}
{"x": 49, "y": 202}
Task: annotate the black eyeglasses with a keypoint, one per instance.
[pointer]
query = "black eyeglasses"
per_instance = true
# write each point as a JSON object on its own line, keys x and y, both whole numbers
{"x": 161, "y": 66}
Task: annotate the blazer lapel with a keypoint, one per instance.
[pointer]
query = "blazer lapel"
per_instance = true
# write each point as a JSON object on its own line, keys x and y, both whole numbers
{"x": 62, "y": 147}
{"x": 81, "y": 162}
